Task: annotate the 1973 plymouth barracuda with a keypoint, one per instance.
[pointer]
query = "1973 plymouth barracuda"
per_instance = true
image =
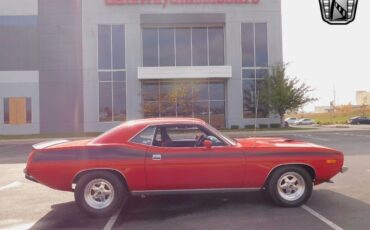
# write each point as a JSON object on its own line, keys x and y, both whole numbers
{"x": 176, "y": 156}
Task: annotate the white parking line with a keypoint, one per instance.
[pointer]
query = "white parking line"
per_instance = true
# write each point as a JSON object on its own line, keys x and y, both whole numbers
{"x": 321, "y": 217}
{"x": 11, "y": 185}
{"x": 112, "y": 220}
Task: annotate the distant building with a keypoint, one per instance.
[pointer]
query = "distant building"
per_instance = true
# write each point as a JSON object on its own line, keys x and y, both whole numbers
{"x": 323, "y": 109}
{"x": 363, "y": 98}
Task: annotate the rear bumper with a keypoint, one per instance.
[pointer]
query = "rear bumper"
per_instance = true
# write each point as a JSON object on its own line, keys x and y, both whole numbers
{"x": 344, "y": 169}
{"x": 28, "y": 176}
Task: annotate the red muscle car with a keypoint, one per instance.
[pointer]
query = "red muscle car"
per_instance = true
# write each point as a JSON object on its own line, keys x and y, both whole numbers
{"x": 176, "y": 156}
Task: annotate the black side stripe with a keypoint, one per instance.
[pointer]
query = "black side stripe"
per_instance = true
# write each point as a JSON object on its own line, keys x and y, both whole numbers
{"x": 88, "y": 154}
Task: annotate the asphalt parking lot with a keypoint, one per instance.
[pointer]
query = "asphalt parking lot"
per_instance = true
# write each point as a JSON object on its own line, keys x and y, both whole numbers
{"x": 342, "y": 205}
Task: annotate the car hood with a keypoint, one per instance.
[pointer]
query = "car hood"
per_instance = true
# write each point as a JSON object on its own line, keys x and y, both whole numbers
{"x": 276, "y": 142}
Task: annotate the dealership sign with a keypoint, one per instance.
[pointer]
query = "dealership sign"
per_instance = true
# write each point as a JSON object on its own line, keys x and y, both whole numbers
{"x": 164, "y": 3}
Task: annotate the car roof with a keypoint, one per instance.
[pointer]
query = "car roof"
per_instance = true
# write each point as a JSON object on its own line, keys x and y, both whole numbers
{"x": 125, "y": 131}
{"x": 164, "y": 120}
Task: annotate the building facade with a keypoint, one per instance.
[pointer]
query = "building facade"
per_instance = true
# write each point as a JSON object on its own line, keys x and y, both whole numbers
{"x": 87, "y": 65}
{"x": 363, "y": 98}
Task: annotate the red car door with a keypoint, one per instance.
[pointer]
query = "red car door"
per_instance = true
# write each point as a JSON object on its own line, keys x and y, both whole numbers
{"x": 170, "y": 168}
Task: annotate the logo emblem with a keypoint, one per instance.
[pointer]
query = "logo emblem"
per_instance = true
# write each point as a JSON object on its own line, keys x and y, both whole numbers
{"x": 338, "y": 12}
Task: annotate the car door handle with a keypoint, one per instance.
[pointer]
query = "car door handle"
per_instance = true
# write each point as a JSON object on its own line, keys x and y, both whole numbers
{"x": 156, "y": 157}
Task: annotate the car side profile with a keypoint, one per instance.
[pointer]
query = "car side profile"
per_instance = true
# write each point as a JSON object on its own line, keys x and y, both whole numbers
{"x": 359, "y": 121}
{"x": 305, "y": 121}
{"x": 179, "y": 156}
{"x": 291, "y": 120}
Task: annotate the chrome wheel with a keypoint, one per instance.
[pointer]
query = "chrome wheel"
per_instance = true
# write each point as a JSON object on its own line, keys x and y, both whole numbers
{"x": 291, "y": 186}
{"x": 99, "y": 193}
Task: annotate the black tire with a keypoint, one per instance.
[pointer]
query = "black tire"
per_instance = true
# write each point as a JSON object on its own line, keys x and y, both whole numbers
{"x": 109, "y": 182}
{"x": 280, "y": 196}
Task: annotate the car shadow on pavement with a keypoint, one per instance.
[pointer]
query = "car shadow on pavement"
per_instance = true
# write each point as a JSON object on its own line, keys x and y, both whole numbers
{"x": 68, "y": 216}
{"x": 216, "y": 211}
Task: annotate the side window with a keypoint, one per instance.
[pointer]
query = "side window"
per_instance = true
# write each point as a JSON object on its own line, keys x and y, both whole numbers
{"x": 145, "y": 137}
{"x": 184, "y": 136}
{"x": 183, "y": 133}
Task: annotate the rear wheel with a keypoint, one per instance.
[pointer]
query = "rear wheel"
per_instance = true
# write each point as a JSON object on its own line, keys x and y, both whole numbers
{"x": 290, "y": 186}
{"x": 100, "y": 193}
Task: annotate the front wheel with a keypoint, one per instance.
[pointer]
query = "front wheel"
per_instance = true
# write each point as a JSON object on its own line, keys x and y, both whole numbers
{"x": 100, "y": 193}
{"x": 290, "y": 186}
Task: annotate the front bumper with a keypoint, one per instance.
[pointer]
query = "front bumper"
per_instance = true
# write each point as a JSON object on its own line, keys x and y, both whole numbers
{"x": 28, "y": 176}
{"x": 344, "y": 169}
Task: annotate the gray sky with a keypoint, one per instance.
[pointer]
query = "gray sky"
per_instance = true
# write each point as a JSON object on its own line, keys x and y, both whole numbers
{"x": 323, "y": 55}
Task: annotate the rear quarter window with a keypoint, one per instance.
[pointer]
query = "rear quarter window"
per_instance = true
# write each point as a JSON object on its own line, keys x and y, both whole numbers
{"x": 145, "y": 137}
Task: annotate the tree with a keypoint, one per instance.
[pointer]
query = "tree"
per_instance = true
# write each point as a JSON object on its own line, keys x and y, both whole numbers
{"x": 282, "y": 93}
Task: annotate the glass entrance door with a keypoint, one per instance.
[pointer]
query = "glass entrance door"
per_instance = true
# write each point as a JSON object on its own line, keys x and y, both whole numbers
{"x": 204, "y": 99}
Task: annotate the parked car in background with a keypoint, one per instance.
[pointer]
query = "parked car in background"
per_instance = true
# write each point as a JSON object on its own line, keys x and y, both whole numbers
{"x": 359, "y": 120}
{"x": 179, "y": 156}
{"x": 291, "y": 120}
{"x": 305, "y": 121}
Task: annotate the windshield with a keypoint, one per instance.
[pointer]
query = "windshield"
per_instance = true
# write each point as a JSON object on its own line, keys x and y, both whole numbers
{"x": 223, "y": 136}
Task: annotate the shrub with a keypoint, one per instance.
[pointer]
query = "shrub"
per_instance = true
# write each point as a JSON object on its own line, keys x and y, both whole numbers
{"x": 249, "y": 126}
{"x": 263, "y": 126}
{"x": 234, "y": 127}
{"x": 275, "y": 125}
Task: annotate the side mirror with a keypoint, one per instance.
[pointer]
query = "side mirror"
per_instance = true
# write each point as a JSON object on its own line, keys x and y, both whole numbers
{"x": 207, "y": 144}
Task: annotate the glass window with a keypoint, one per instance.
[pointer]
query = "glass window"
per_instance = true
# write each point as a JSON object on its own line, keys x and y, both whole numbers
{"x": 166, "y": 47}
{"x": 6, "y": 111}
{"x": 104, "y": 47}
{"x": 28, "y": 110}
{"x": 119, "y": 102}
{"x": 201, "y": 110}
{"x": 200, "y": 50}
{"x": 151, "y": 109}
{"x": 217, "y": 110}
{"x": 262, "y": 73}
{"x": 167, "y": 91}
{"x": 248, "y": 73}
{"x": 183, "y": 47}
{"x": 167, "y": 109}
{"x": 119, "y": 76}
{"x": 145, "y": 137}
{"x": 247, "y": 45}
{"x": 183, "y": 132}
{"x": 150, "y": 47}
{"x": 248, "y": 98}
{"x": 216, "y": 46}
{"x": 118, "y": 40}
{"x": 112, "y": 83}
{"x": 150, "y": 91}
{"x": 185, "y": 98}
{"x": 105, "y": 76}
{"x": 261, "y": 44}
{"x": 217, "y": 90}
{"x": 105, "y": 101}
{"x": 262, "y": 109}
{"x": 200, "y": 91}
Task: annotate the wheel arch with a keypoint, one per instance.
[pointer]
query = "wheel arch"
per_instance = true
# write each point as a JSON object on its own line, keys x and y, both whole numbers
{"x": 81, "y": 173}
{"x": 310, "y": 169}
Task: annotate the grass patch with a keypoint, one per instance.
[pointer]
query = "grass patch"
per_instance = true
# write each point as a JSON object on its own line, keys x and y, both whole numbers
{"x": 340, "y": 116}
